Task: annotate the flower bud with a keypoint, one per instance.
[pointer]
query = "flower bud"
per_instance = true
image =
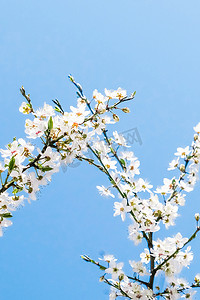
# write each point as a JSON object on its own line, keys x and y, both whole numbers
{"x": 182, "y": 168}
{"x": 133, "y": 94}
{"x": 30, "y": 190}
{"x": 187, "y": 296}
{"x": 116, "y": 118}
{"x": 126, "y": 110}
{"x": 22, "y": 90}
{"x": 196, "y": 137}
{"x": 121, "y": 277}
{"x": 101, "y": 111}
{"x": 101, "y": 278}
{"x": 197, "y": 278}
{"x": 71, "y": 78}
{"x": 197, "y": 217}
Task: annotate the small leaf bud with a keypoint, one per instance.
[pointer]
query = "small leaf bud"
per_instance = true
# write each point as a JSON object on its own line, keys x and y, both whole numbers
{"x": 116, "y": 118}
{"x": 182, "y": 168}
{"x": 101, "y": 279}
{"x": 197, "y": 217}
{"x": 126, "y": 110}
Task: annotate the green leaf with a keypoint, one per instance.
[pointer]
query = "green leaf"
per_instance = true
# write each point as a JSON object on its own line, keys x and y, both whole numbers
{"x": 111, "y": 149}
{"x": 86, "y": 258}
{"x": 17, "y": 190}
{"x": 45, "y": 169}
{"x": 112, "y": 181}
{"x": 50, "y": 124}
{"x": 189, "y": 156}
{"x": 122, "y": 161}
{"x": 57, "y": 109}
{"x": 11, "y": 164}
{"x": 6, "y": 215}
{"x": 71, "y": 78}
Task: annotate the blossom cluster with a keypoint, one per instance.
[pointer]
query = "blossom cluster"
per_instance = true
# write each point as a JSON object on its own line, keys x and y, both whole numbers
{"x": 148, "y": 209}
{"x": 56, "y": 137}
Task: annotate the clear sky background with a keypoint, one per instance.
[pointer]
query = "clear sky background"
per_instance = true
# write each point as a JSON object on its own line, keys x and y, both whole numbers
{"x": 152, "y": 47}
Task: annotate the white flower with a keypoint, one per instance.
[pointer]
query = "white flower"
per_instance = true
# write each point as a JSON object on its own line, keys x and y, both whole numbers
{"x": 186, "y": 186}
{"x": 185, "y": 257}
{"x": 45, "y": 112}
{"x": 25, "y": 108}
{"x": 183, "y": 152}
{"x": 178, "y": 282}
{"x": 119, "y": 139}
{"x": 197, "y": 128}
{"x": 99, "y": 98}
{"x": 79, "y": 113}
{"x": 145, "y": 256}
{"x": 108, "y": 163}
{"x": 121, "y": 209}
{"x": 133, "y": 168}
{"x": 110, "y": 94}
{"x": 12, "y": 150}
{"x": 115, "y": 269}
{"x": 138, "y": 267}
{"x": 101, "y": 147}
{"x": 179, "y": 240}
{"x": 129, "y": 155}
{"x": 112, "y": 295}
{"x": 28, "y": 148}
{"x": 108, "y": 258}
{"x": 104, "y": 191}
{"x": 36, "y": 128}
{"x": 120, "y": 94}
{"x": 168, "y": 186}
{"x": 173, "y": 164}
{"x": 143, "y": 185}
{"x": 169, "y": 214}
{"x": 179, "y": 199}
{"x": 134, "y": 233}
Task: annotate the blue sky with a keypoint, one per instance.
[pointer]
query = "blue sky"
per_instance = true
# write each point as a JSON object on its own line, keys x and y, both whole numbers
{"x": 148, "y": 46}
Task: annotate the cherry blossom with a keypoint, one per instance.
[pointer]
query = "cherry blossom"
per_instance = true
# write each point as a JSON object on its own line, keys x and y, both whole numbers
{"x": 60, "y": 137}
